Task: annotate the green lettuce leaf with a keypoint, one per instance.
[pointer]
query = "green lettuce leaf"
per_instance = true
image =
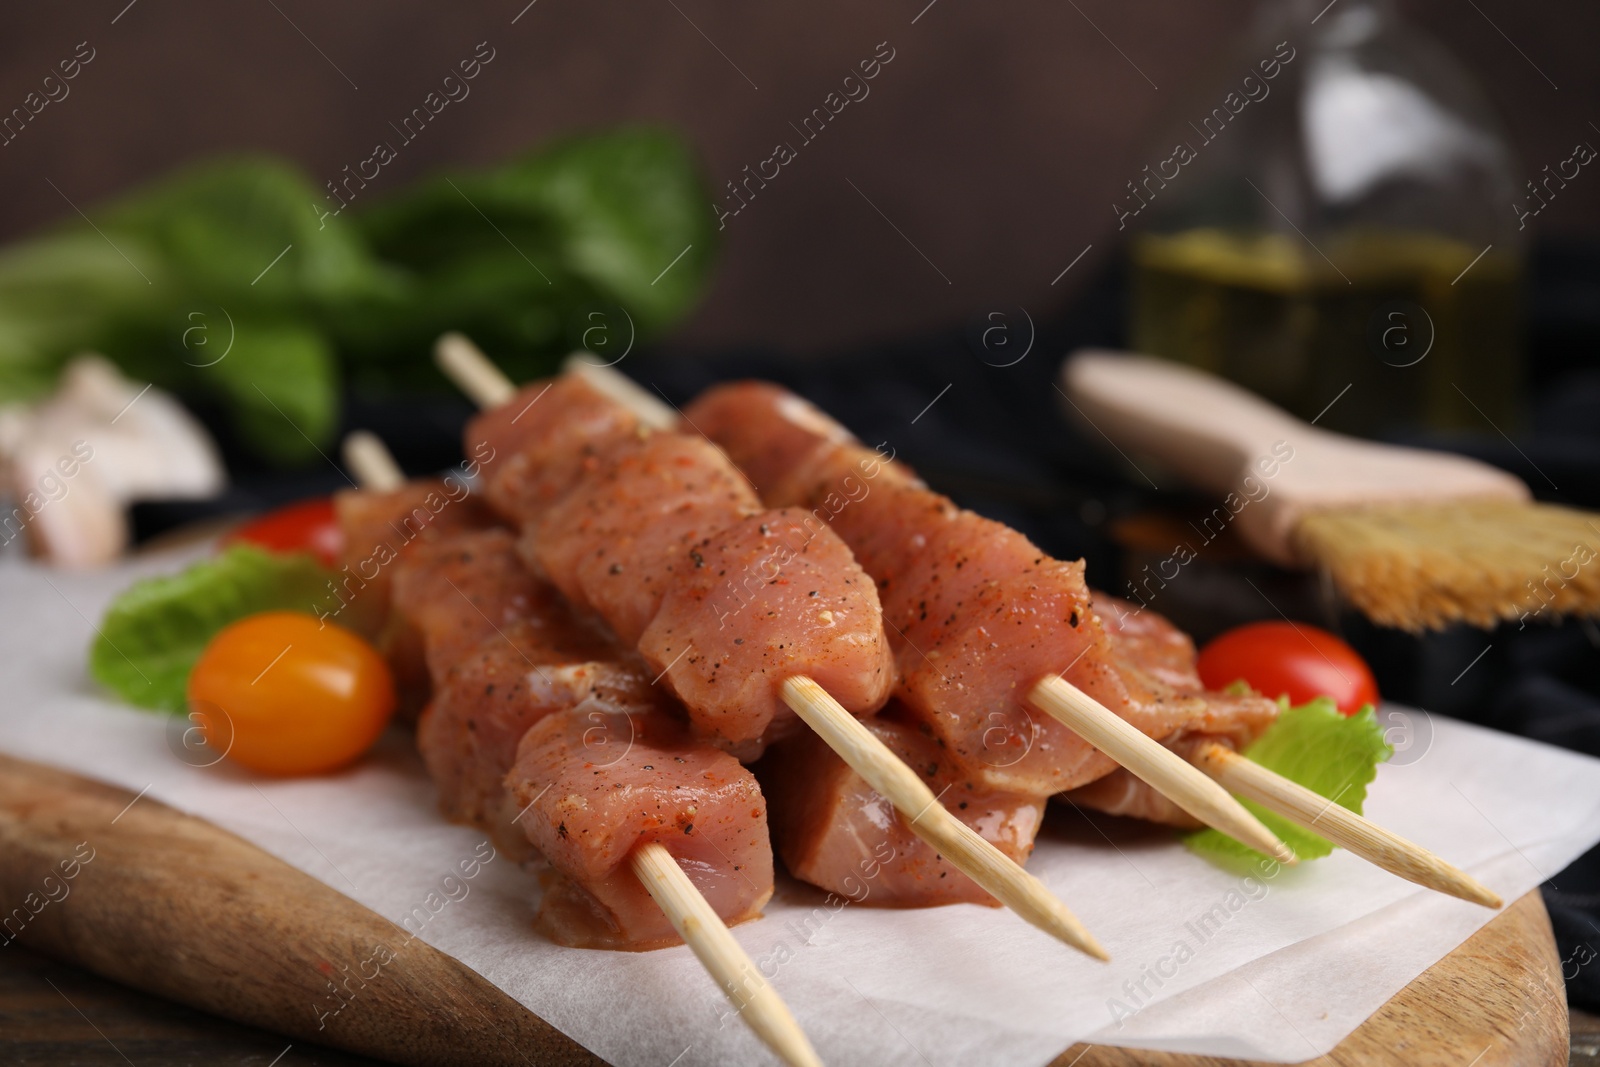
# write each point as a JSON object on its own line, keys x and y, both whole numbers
{"x": 1332, "y": 755}
{"x": 154, "y": 632}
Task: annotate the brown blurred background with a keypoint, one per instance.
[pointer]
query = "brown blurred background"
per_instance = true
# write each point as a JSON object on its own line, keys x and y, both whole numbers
{"x": 995, "y": 141}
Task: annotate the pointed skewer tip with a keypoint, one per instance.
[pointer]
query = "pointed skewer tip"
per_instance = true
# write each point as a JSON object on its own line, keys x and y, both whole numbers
{"x": 1355, "y": 833}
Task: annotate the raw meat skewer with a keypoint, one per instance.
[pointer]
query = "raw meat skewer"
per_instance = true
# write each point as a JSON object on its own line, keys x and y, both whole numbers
{"x": 790, "y": 441}
{"x": 683, "y": 461}
{"x": 680, "y": 900}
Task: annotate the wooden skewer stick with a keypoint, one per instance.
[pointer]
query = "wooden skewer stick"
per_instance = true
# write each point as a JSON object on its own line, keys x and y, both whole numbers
{"x": 701, "y": 928}
{"x": 368, "y": 458}
{"x": 1151, "y": 761}
{"x": 466, "y": 365}
{"x": 973, "y": 855}
{"x": 865, "y": 754}
{"x": 1341, "y": 825}
{"x": 759, "y": 1005}
{"x": 652, "y": 411}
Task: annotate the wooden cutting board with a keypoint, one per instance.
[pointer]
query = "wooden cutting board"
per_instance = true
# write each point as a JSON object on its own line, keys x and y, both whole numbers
{"x": 175, "y": 906}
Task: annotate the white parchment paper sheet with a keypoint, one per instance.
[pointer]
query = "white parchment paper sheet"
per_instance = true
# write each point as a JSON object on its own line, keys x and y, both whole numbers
{"x": 1204, "y": 960}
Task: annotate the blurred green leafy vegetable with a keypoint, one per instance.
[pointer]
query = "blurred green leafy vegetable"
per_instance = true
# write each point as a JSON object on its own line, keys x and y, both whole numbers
{"x": 232, "y": 281}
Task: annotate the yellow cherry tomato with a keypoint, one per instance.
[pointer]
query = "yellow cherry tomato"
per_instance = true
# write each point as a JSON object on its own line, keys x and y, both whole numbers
{"x": 284, "y": 693}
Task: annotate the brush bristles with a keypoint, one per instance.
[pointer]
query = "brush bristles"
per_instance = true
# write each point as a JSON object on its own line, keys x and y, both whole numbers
{"x": 1421, "y": 567}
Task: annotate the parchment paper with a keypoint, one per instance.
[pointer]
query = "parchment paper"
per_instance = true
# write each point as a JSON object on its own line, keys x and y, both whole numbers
{"x": 1204, "y": 960}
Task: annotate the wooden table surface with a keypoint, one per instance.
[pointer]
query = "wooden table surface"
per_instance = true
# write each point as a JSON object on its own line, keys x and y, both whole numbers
{"x": 52, "y": 1015}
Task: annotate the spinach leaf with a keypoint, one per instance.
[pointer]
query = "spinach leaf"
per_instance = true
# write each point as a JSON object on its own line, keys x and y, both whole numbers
{"x": 244, "y": 256}
{"x": 519, "y": 256}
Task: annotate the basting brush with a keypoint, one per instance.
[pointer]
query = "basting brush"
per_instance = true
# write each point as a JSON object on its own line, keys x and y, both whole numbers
{"x": 1413, "y": 539}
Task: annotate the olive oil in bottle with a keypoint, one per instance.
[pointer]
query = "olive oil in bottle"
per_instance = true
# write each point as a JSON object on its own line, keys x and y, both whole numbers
{"x": 1330, "y": 222}
{"x": 1417, "y": 328}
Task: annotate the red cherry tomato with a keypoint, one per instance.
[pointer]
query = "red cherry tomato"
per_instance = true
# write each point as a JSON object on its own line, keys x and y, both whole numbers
{"x": 309, "y": 526}
{"x": 283, "y": 693}
{"x": 1289, "y": 659}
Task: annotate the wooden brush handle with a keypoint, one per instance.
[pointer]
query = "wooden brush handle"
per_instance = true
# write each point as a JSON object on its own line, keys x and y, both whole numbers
{"x": 1202, "y": 428}
{"x": 1273, "y": 468}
